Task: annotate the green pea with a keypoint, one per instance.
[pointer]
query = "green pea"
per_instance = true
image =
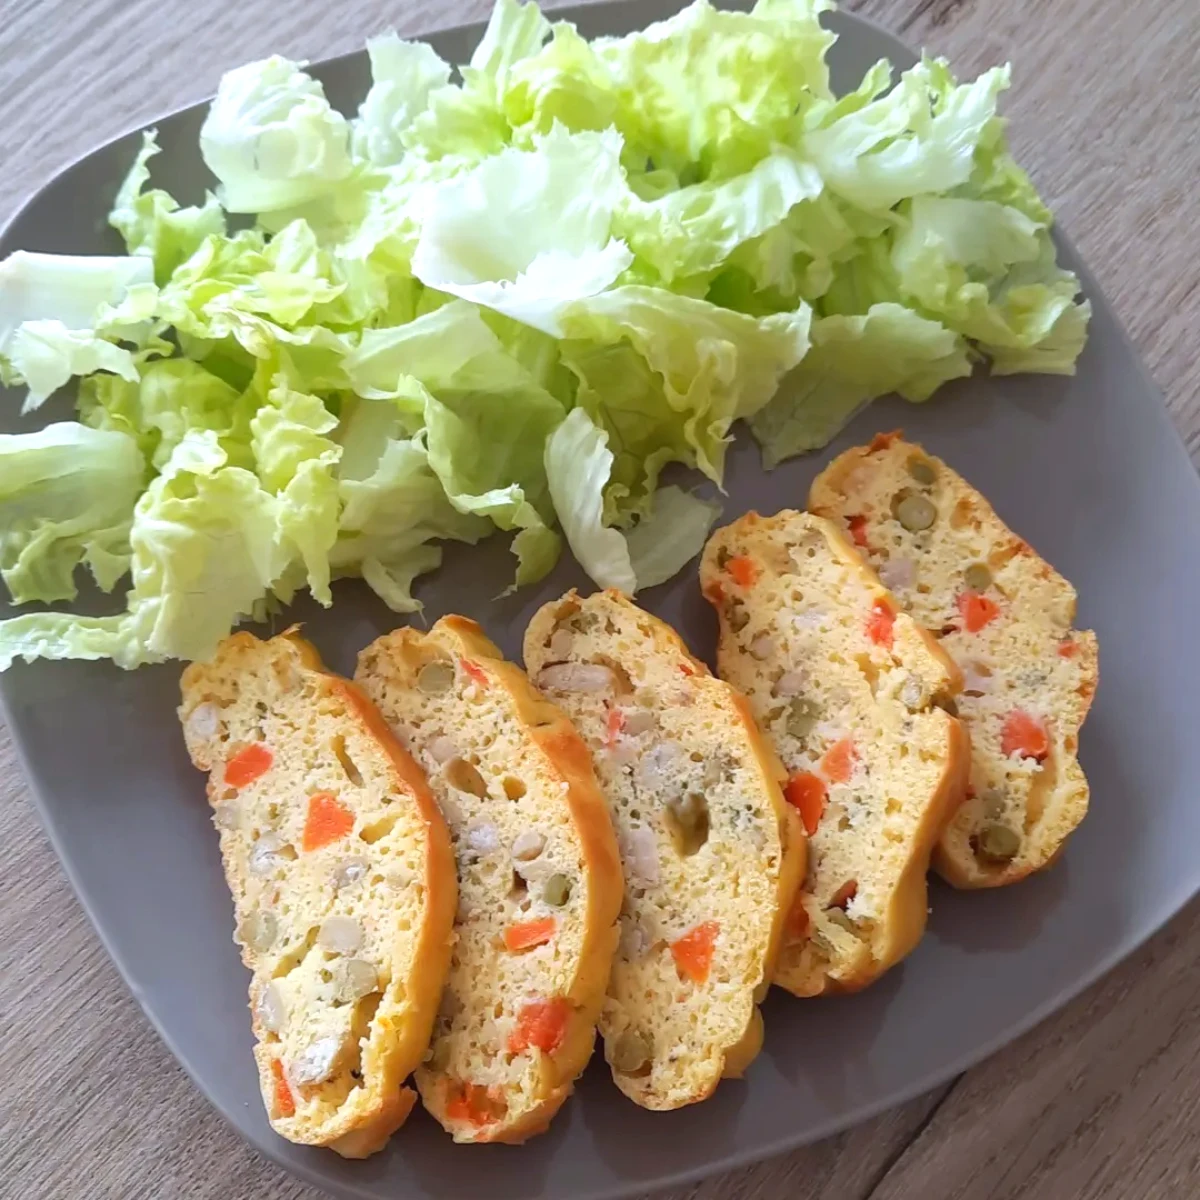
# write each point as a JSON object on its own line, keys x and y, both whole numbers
{"x": 556, "y": 891}
{"x": 997, "y": 842}
{"x": 631, "y": 1054}
{"x": 913, "y": 511}
{"x": 436, "y": 677}
{"x": 978, "y": 577}
{"x": 920, "y": 469}
{"x": 802, "y": 716}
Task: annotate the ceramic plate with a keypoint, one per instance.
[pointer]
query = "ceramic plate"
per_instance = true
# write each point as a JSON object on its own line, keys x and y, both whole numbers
{"x": 1089, "y": 469}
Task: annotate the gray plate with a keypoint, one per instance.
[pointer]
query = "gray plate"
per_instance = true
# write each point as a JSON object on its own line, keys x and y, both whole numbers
{"x": 1089, "y": 469}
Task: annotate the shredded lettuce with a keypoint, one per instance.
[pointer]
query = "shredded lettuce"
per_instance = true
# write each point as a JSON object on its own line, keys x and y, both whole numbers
{"x": 502, "y": 302}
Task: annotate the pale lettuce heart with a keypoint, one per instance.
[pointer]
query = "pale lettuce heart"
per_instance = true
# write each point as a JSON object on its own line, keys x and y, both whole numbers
{"x": 50, "y": 306}
{"x": 68, "y": 288}
{"x": 528, "y": 232}
{"x": 514, "y": 32}
{"x": 46, "y": 354}
{"x": 578, "y": 467}
{"x": 272, "y": 138}
{"x": 403, "y": 75}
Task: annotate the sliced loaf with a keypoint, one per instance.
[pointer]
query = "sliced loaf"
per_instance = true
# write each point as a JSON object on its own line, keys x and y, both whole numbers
{"x": 849, "y": 690}
{"x": 1006, "y": 617}
{"x": 711, "y": 853}
{"x": 539, "y": 878}
{"x": 343, "y": 885}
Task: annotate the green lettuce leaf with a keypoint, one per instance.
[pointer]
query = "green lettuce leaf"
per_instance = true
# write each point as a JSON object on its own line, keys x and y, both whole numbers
{"x": 205, "y": 551}
{"x": 393, "y": 507}
{"x": 296, "y": 462}
{"x": 714, "y": 365}
{"x": 853, "y": 360}
{"x": 172, "y": 397}
{"x": 709, "y": 93}
{"x": 695, "y": 229}
{"x": 66, "y": 497}
{"x": 919, "y": 138}
{"x": 152, "y": 222}
{"x": 579, "y": 466}
{"x": 484, "y": 417}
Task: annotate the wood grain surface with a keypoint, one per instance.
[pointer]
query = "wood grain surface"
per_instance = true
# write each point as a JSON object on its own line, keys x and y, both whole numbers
{"x": 1102, "y": 1102}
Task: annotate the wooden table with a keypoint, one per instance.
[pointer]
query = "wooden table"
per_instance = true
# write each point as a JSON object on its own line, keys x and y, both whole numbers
{"x": 1102, "y": 1100}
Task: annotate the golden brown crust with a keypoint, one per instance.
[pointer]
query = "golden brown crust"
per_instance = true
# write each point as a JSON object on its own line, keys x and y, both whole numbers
{"x": 1037, "y": 615}
{"x": 903, "y": 922}
{"x": 361, "y": 1129}
{"x": 565, "y": 753}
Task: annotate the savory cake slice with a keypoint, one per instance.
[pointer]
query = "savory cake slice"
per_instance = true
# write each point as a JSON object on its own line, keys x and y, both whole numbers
{"x": 343, "y": 885}
{"x": 712, "y": 855}
{"x": 539, "y": 878}
{"x": 854, "y": 695}
{"x": 1006, "y": 617}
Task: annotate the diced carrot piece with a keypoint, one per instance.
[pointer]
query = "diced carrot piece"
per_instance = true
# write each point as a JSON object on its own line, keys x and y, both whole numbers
{"x": 475, "y": 671}
{"x": 1068, "y": 649}
{"x": 541, "y": 1024}
{"x": 1024, "y": 735}
{"x": 285, "y": 1102}
{"x": 976, "y": 610}
{"x": 858, "y": 530}
{"x": 474, "y": 1103}
{"x": 881, "y": 441}
{"x": 881, "y": 622}
{"x": 798, "y": 919}
{"x": 838, "y": 762}
{"x": 844, "y": 894}
{"x": 807, "y": 792}
{"x": 715, "y": 592}
{"x": 524, "y": 935}
{"x": 742, "y": 570}
{"x": 687, "y": 668}
{"x": 613, "y": 726}
{"x": 326, "y": 822}
{"x": 693, "y": 953}
{"x": 248, "y": 764}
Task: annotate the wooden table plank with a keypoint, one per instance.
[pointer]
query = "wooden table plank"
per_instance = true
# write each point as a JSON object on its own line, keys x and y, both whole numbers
{"x": 1100, "y": 1102}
